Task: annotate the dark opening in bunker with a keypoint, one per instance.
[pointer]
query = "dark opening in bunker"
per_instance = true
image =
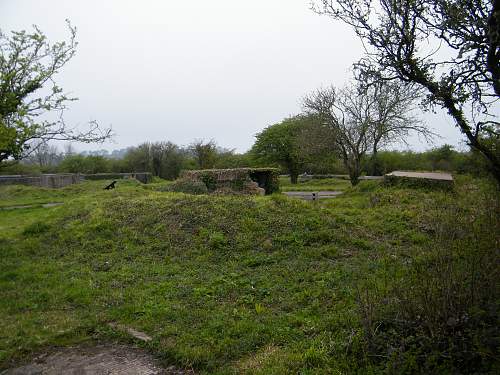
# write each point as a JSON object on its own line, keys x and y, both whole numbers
{"x": 264, "y": 179}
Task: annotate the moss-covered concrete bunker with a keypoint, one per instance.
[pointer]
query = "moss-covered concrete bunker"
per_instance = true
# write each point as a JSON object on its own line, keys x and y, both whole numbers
{"x": 244, "y": 180}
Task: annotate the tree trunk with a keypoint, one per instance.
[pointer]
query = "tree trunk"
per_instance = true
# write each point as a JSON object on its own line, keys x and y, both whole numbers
{"x": 294, "y": 177}
{"x": 354, "y": 170}
{"x": 354, "y": 177}
{"x": 375, "y": 168}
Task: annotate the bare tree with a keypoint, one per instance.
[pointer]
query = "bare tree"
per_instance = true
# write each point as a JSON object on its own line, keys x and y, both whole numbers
{"x": 69, "y": 149}
{"x": 360, "y": 119}
{"x": 205, "y": 154}
{"x": 450, "y": 48}
{"x": 392, "y": 109}
{"x": 166, "y": 160}
{"x": 339, "y": 112}
{"x": 157, "y": 151}
{"x": 44, "y": 155}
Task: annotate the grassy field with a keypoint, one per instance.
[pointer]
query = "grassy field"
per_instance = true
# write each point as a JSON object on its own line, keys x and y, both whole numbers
{"x": 378, "y": 280}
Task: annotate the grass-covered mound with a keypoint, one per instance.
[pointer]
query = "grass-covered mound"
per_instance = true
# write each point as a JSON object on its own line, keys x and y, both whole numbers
{"x": 380, "y": 279}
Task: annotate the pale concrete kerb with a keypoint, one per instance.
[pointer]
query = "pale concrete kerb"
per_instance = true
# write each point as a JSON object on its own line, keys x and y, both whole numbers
{"x": 424, "y": 175}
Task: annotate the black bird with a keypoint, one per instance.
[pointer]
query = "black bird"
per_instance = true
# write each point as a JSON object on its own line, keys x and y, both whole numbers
{"x": 110, "y": 186}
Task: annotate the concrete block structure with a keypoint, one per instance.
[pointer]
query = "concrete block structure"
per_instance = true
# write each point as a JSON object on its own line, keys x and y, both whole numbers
{"x": 243, "y": 180}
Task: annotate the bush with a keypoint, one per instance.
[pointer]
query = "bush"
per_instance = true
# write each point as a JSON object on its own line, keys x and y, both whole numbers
{"x": 441, "y": 315}
{"x": 14, "y": 168}
{"x": 188, "y": 186}
{"x": 85, "y": 164}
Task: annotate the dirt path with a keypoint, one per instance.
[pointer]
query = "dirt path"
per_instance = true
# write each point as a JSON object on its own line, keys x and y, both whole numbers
{"x": 99, "y": 360}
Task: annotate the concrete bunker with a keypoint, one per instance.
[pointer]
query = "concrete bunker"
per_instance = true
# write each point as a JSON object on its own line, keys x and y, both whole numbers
{"x": 242, "y": 180}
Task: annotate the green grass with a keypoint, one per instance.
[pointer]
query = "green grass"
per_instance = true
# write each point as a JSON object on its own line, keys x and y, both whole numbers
{"x": 327, "y": 184}
{"x": 224, "y": 284}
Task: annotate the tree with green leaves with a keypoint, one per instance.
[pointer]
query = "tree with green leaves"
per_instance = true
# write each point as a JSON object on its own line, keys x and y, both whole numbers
{"x": 28, "y": 94}
{"x": 282, "y": 143}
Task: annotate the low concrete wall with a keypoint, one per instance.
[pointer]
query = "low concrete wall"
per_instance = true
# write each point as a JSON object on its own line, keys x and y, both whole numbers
{"x": 45, "y": 180}
{"x": 64, "y": 179}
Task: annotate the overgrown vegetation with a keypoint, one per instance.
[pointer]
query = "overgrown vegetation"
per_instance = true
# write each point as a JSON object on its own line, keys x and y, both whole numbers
{"x": 379, "y": 280}
{"x": 400, "y": 279}
{"x": 444, "y": 158}
{"x": 441, "y": 314}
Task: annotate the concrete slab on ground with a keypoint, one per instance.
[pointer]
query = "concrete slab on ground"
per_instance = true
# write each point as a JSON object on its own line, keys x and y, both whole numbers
{"x": 424, "y": 175}
{"x": 104, "y": 359}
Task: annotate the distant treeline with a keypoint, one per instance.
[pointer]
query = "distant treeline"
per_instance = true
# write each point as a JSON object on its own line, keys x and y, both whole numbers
{"x": 166, "y": 160}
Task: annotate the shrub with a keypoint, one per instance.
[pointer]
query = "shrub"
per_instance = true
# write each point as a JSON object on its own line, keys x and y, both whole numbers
{"x": 416, "y": 183}
{"x": 36, "y": 228}
{"x": 441, "y": 315}
{"x": 84, "y": 164}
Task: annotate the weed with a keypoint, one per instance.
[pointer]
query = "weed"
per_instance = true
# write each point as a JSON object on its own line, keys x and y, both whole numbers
{"x": 36, "y": 228}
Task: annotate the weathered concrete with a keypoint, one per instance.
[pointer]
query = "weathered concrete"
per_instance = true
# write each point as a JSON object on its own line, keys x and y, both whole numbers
{"x": 109, "y": 360}
{"x": 44, "y": 180}
{"x": 131, "y": 331}
{"x": 426, "y": 175}
{"x": 241, "y": 180}
{"x": 64, "y": 179}
{"x": 420, "y": 179}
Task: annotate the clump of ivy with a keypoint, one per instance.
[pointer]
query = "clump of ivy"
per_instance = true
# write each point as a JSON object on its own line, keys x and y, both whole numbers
{"x": 239, "y": 183}
{"x": 209, "y": 180}
{"x": 237, "y": 179}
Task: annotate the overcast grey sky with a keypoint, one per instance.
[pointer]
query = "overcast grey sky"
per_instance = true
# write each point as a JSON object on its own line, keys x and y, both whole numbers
{"x": 165, "y": 70}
